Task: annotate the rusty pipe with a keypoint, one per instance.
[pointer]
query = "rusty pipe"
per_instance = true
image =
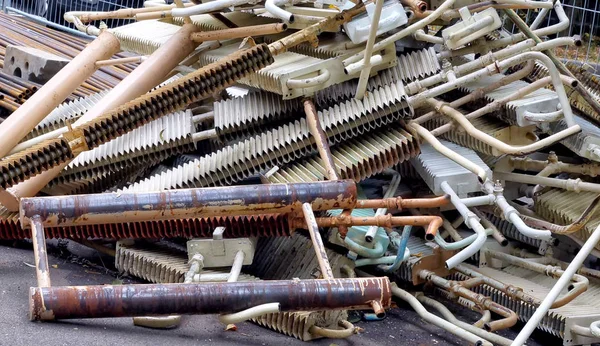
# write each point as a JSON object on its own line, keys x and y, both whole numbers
{"x": 245, "y": 31}
{"x": 314, "y": 125}
{"x": 42, "y": 269}
{"x": 485, "y": 303}
{"x": 432, "y": 222}
{"x": 399, "y": 203}
{"x": 49, "y": 96}
{"x": 165, "y": 205}
{"x": 317, "y": 242}
{"x": 54, "y": 303}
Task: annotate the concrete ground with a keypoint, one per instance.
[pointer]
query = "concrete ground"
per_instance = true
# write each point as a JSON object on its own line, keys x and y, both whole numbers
{"x": 401, "y": 327}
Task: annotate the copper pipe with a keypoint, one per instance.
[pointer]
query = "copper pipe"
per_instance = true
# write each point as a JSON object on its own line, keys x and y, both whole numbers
{"x": 24, "y": 119}
{"x": 109, "y": 208}
{"x": 433, "y": 223}
{"x": 317, "y": 242}
{"x": 42, "y": 269}
{"x": 314, "y": 126}
{"x": 399, "y": 203}
{"x": 226, "y": 34}
{"x": 417, "y": 6}
{"x": 55, "y": 303}
{"x": 485, "y": 303}
{"x": 343, "y": 230}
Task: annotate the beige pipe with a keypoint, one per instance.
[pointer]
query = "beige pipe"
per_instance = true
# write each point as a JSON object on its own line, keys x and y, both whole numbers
{"x": 111, "y": 62}
{"x": 494, "y": 142}
{"x": 51, "y": 94}
{"x": 226, "y": 34}
{"x": 146, "y": 76}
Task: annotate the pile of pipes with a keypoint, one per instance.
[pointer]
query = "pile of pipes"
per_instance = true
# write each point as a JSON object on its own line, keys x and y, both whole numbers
{"x": 288, "y": 162}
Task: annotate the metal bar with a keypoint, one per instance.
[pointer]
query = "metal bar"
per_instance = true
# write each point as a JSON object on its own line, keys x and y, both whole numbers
{"x": 314, "y": 125}
{"x": 226, "y": 34}
{"x": 43, "y": 21}
{"x": 42, "y": 269}
{"x": 69, "y": 302}
{"x": 167, "y": 205}
{"x": 315, "y": 236}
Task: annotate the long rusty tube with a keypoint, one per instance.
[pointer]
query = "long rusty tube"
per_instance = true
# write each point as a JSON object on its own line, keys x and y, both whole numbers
{"x": 245, "y": 31}
{"x": 234, "y": 200}
{"x": 24, "y": 119}
{"x": 432, "y": 222}
{"x": 399, "y": 203}
{"x": 314, "y": 125}
{"x": 317, "y": 242}
{"x": 42, "y": 269}
{"x": 486, "y": 303}
{"x": 50, "y": 303}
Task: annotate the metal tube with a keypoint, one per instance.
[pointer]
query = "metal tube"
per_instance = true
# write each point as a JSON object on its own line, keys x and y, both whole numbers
{"x": 432, "y": 222}
{"x": 391, "y": 190}
{"x": 51, "y": 94}
{"x": 366, "y": 70}
{"x": 560, "y": 285}
{"x": 436, "y": 320}
{"x": 496, "y": 339}
{"x": 472, "y": 221}
{"x": 567, "y": 184}
{"x": 317, "y": 242}
{"x": 236, "y": 268}
{"x": 399, "y": 203}
{"x": 42, "y": 268}
{"x": 235, "y": 200}
{"x": 458, "y": 288}
{"x": 247, "y": 314}
{"x": 316, "y": 130}
{"x": 50, "y": 303}
{"x": 245, "y": 31}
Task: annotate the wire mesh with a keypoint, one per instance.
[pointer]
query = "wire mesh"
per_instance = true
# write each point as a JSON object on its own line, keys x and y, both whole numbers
{"x": 584, "y": 20}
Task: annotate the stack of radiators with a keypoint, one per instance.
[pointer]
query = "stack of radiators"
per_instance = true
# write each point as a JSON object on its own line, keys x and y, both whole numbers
{"x": 357, "y": 159}
{"x": 135, "y": 151}
{"x": 277, "y": 147}
{"x": 565, "y": 207}
{"x": 581, "y": 311}
{"x": 287, "y": 259}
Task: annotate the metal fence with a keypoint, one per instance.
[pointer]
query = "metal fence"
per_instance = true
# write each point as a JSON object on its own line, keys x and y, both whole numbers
{"x": 584, "y": 18}
{"x": 52, "y": 11}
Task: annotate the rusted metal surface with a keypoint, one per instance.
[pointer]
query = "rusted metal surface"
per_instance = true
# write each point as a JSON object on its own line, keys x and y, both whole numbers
{"x": 399, "y": 203}
{"x": 177, "y": 204}
{"x": 432, "y": 222}
{"x": 317, "y": 242}
{"x": 461, "y": 288}
{"x": 316, "y": 130}
{"x": 49, "y": 303}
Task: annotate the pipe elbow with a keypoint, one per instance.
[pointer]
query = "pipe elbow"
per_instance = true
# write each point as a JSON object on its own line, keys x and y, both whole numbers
{"x": 272, "y": 7}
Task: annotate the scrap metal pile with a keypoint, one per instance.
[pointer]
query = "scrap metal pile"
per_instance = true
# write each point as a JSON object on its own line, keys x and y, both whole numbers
{"x": 286, "y": 162}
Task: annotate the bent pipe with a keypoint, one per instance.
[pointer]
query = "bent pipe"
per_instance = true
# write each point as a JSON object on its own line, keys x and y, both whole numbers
{"x": 71, "y": 302}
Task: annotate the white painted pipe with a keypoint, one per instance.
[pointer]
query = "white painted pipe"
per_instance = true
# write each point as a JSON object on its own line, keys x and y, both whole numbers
{"x": 560, "y": 285}
{"x": 247, "y": 314}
